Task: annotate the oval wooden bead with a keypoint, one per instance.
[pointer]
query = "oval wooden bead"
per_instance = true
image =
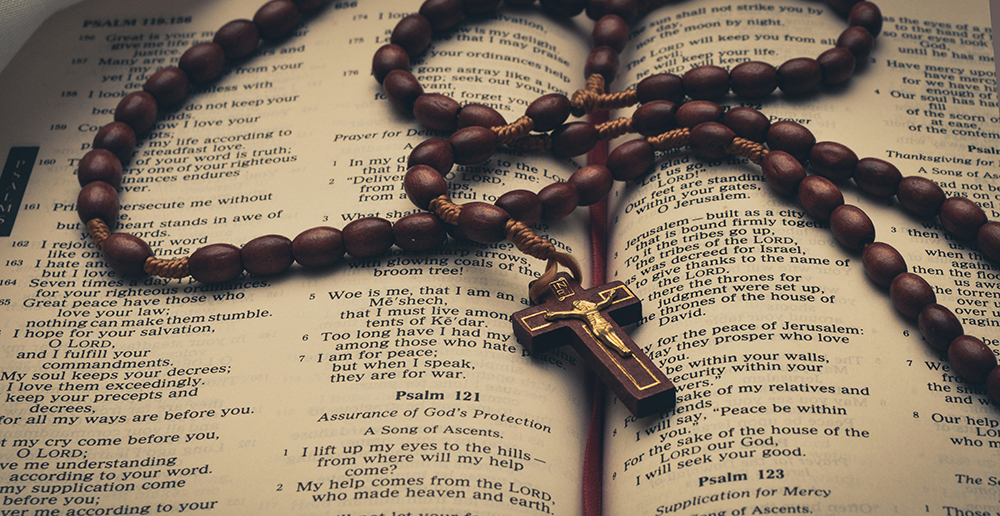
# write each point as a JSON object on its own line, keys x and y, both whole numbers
{"x": 920, "y": 196}
{"x": 549, "y": 111}
{"x": 972, "y": 359}
{"x": 203, "y": 62}
{"x": 100, "y": 165}
{"x": 631, "y": 159}
{"x": 402, "y": 89}
{"x": 837, "y": 65}
{"x": 832, "y": 160}
{"x": 939, "y": 326}
{"x": 747, "y": 123}
{"x": 419, "y": 232}
{"x": 483, "y": 223}
{"x": 522, "y": 205}
{"x": 988, "y": 239}
{"x": 168, "y": 86}
{"x": 276, "y": 19}
{"x": 479, "y": 115}
{"x": 388, "y": 58}
{"x": 706, "y": 82}
{"x": 859, "y": 41}
{"x": 593, "y": 182}
{"x": 558, "y": 200}
{"x": 216, "y": 263}
{"x": 423, "y": 184}
{"x": 993, "y": 384}
{"x": 782, "y": 172}
{"x": 852, "y": 227}
{"x": 882, "y": 263}
{"x": 367, "y": 237}
{"x": 138, "y": 110}
{"x": 563, "y": 8}
{"x": 753, "y": 79}
{"x": 318, "y": 247}
{"x": 819, "y": 196}
{"x": 473, "y": 145}
{"x": 626, "y": 10}
{"x": 867, "y": 15}
{"x": 709, "y": 140}
{"x": 443, "y": 14}
{"x": 962, "y": 217}
{"x": 662, "y": 86}
{"x": 437, "y": 111}
{"x": 696, "y": 112}
{"x": 877, "y": 177}
{"x": 655, "y": 117}
{"x": 792, "y": 138}
{"x": 98, "y": 200}
{"x": 799, "y": 76}
{"x": 413, "y": 33}
{"x": 126, "y": 254}
{"x": 238, "y": 39}
{"x": 610, "y": 31}
{"x": 573, "y": 139}
{"x": 435, "y": 153}
{"x": 267, "y": 255}
{"x": 603, "y": 61}
{"x": 118, "y": 138}
{"x": 910, "y": 294}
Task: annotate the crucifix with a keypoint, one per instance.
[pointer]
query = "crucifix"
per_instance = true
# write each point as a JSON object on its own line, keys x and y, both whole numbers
{"x": 591, "y": 320}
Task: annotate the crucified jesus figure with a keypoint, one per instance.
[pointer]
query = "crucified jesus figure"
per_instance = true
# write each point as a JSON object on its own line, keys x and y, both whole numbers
{"x": 590, "y": 313}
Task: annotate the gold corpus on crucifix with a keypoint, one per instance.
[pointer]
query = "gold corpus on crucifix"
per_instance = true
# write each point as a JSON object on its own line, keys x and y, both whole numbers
{"x": 590, "y": 313}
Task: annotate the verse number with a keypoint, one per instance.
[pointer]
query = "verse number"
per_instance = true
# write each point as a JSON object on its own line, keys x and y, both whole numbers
{"x": 770, "y": 474}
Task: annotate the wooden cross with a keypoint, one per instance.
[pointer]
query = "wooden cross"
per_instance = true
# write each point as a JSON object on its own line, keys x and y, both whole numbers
{"x": 591, "y": 321}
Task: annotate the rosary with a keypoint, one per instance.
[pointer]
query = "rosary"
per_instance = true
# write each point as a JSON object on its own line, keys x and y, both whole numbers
{"x": 590, "y": 319}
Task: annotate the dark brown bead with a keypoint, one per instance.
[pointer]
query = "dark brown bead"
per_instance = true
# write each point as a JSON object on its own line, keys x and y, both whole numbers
{"x": 837, "y": 65}
{"x": 203, "y": 62}
{"x": 480, "y": 116}
{"x": 368, "y": 237}
{"x": 852, "y": 227}
{"x": 388, "y": 58}
{"x": 882, "y": 262}
{"x": 98, "y": 200}
{"x": 402, "y": 89}
{"x": 549, "y": 111}
{"x": 479, "y": 7}
{"x": 419, "y": 232}
{"x": 413, "y": 33}
{"x": 877, "y": 177}
{"x": 318, "y": 247}
{"x": 100, "y": 165}
{"x": 859, "y": 41}
{"x": 799, "y": 76}
{"x": 168, "y": 86}
{"x": 832, "y": 160}
{"x": 747, "y": 123}
{"x": 631, "y": 159}
{"x": 819, "y": 196}
{"x": 593, "y": 182}
{"x": 522, "y": 205}
{"x": 603, "y": 61}
{"x": 920, "y": 196}
{"x": 939, "y": 326}
{"x": 276, "y": 19}
{"x": 842, "y": 6}
{"x": 518, "y": 4}
{"x": 437, "y": 111}
{"x": 867, "y": 15}
{"x": 972, "y": 359}
{"x": 706, "y": 82}
{"x": 626, "y": 10}
{"x": 574, "y": 139}
{"x": 435, "y": 153}
{"x": 697, "y": 112}
{"x": 753, "y": 79}
{"x": 782, "y": 172}
{"x": 792, "y": 138}
{"x": 709, "y": 140}
{"x": 216, "y": 263}
{"x": 483, "y": 223}
{"x": 993, "y": 384}
{"x": 267, "y": 255}
{"x": 473, "y": 145}
{"x": 988, "y": 239}
{"x": 654, "y": 117}
{"x": 126, "y": 254}
{"x": 962, "y": 217}
{"x": 662, "y": 86}
{"x": 237, "y": 38}
{"x": 118, "y": 138}
{"x": 423, "y": 184}
{"x": 558, "y": 200}
{"x": 138, "y": 110}
{"x": 563, "y": 8}
{"x": 443, "y": 14}
{"x": 611, "y": 31}
{"x": 910, "y": 294}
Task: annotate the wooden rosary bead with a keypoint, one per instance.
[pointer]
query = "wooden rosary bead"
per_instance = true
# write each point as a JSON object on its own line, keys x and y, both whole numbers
{"x": 435, "y": 153}
{"x": 519, "y": 3}
{"x": 563, "y": 8}
{"x": 593, "y": 182}
{"x": 972, "y": 359}
{"x": 479, "y": 7}
{"x": 706, "y": 82}
{"x": 549, "y": 111}
{"x": 993, "y": 383}
{"x": 522, "y": 205}
{"x": 402, "y": 89}
{"x": 695, "y": 112}
{"x": 837, "y": 65}
{"x": 276, "y": 19}
{"x": 877, "y": 177}
{"x": 626, "y": 10}
{"x": 709, "y": 140}
{"x": 654, "y": 118}
{"x": 988, "y": 239}
{"x": 413, "y": 33}
{"x": 882, "y": 263}
{"x": 867, "y": 15}
{"x": 473, "y": 145}
{"x": 631, "y": 159}
{"x": 126, "y": 253}
{"x": 859, "y": 41}
{"x": 479, "y": 115}
{"x": 388, "y": 58}
{"x": 168, "y": 86}
{"x": 832, "y": 160}
{"x": 792, "y": 138}
{"x": 216, "y": 263}
{"x": 267, "y": 255}
{"x": 437, "y": 111}
{"x": 203, "y": 62}
{"x": 852, "y": 227}
{"x": 138, "y": 110}
{"x": 920, "y": 196}
{"x": 603, "y": 61}
{"x": 962, "y": 217}
{"x": 753, "y": 79}
{"x": 662, "y": 86}
{"x": 318, "y": 247}
{"x": 118, "y": 138}
{"x": 611, "y": 31}
{"x": 819, "y": 196}
{"x": 423, "y": 184}
{"x": 419, "y": 232}
{"x": 747, "y": 123}
{"x": 483, "y": 223}
{"x": 910, "y": 294}
{"x": 842, "y": 6}
{"x": 939, "y": 326}
{"x": 368, "y": 237}
{"x": 573, "y": 139}
{"x": 558, "y": 200}
{"x": 100, "y": 165}
{"x": 799, "y": 76}
{"x": 238, "y": 39}
{"x": 443, "y": 14}
{"x": 782, "y": 172}
{"x": 98, "y": 199}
